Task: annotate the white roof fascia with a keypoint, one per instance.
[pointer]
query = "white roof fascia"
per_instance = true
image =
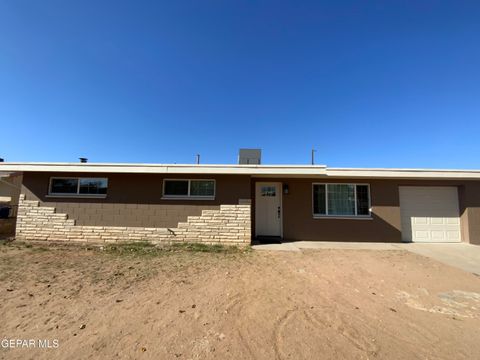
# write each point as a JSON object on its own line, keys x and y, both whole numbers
{"x": 402, "y": 173}
{"x": 307, "y": 171}
{"x": 166, "y": 168}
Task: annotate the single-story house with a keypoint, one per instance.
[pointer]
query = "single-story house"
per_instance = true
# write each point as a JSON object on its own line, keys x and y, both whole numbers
{"x": 237, "y": 203}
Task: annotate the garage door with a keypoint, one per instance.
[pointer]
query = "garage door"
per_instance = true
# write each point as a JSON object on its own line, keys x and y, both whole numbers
{"x": 429, "y": 214}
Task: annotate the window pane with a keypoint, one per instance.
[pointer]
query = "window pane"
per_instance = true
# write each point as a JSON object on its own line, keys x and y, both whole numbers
{"x": 362, "y": 200}
{"x": 268, "y": 191}
{"x": 93, "y": 186}
{"x": 202, "y": 188}
{"x": 319, "y": 199}
{"x": 64, "y": 186}
{"x": 176, "y": 187}
{"x": 341, "y": 199}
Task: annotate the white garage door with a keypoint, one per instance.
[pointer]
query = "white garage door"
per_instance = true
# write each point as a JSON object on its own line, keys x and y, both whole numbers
{"x": 429, "y": 214}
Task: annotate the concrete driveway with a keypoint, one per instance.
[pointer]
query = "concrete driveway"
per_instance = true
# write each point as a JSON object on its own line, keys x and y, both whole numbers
{"x": 460, "y": 255}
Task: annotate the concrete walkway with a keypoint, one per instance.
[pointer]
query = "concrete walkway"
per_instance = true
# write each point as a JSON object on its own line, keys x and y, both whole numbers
{"x": 299, "y": 245}
{"x": 459, "y": 255}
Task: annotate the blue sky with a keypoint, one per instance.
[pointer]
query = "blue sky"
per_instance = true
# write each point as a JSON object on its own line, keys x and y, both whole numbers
{"x": 367, "y": 83}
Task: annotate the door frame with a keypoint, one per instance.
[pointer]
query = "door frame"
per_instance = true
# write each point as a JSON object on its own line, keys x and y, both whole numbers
{"x": 280, "y": 188}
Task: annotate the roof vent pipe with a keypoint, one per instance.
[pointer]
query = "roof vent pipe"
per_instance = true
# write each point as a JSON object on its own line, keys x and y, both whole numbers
{"x": 197, "y": 159}
{"x": 2, "y": 159}
{"x": 83, "y": 160}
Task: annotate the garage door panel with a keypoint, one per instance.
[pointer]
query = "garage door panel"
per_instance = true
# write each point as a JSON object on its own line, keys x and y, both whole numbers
{"x": 438, "y": 221}
{"x": 422, "y": 235}
{"x": 438, "y": 235}
{"x": 419, "y": 221}
{"x": 454, "y": 236}
{"x": 429, "y": 214}
{"x": 453, "y": 221}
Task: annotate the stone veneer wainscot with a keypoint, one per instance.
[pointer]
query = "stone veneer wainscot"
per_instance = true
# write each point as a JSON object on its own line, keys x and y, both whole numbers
{"x": 231, "y": 224}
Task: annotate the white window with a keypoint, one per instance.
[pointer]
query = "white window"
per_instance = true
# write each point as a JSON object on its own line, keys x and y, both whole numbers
{"x": 185, "y": 188}
{"x": 341, "y": 200}
{"x": 62, "y": 186}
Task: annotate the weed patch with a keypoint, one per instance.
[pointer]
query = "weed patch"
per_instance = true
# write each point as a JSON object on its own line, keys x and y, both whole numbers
{"x": 150, "y": 250}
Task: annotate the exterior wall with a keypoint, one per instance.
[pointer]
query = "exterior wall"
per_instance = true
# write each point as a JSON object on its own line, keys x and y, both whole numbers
{"x": 10, "y": 188}
{"x": 134, "y": 206}
{"x": 9, "y": 193}
{"x": 470, "y": 208}
{"x": 134, "y": 200}
{"x": 385, "y": 224}
{"x": 299, "y": 224}
{"x": 230, "y": 224}
{"x": 7, "y": 227}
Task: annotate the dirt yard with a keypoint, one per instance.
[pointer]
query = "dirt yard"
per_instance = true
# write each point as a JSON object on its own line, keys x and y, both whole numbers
{"x": 181, "y": 304}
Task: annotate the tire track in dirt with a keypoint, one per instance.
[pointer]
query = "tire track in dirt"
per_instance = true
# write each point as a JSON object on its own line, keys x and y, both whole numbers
{"x": 278, "y": 330}
{"x": 235, "y": 307}
{"x": 344, "y": 328}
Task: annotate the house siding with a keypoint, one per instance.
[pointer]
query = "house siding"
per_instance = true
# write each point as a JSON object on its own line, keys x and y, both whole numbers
{"x": 134, "y": 199}
{"x": 470, "y": 212}
{"x": 299, "y": 223}
{"x": 385, "y": 223}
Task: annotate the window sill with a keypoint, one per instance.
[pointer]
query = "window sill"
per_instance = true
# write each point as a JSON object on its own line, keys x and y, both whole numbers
{"x": 342, "y": 217}
{"x": 77, "y": 196}
{"x": 188, "y": 197}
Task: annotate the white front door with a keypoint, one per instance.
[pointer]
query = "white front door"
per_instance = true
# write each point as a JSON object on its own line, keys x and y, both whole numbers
{"x": 430, "y": 214}
{"x": 268, "y": 209}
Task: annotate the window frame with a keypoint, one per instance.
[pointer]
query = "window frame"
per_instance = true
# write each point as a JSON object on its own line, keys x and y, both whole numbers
{"x": 77, "y": 194}
{"x": 333, "y": 216}
{"x": 188, "y": 196}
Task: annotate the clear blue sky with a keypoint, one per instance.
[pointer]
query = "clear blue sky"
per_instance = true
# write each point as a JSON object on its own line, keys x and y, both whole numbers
{"x": 367, "y": 83}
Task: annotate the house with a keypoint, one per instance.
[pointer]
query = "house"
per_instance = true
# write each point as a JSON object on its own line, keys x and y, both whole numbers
{"x": 9, "y": 194}
{"x": 234, "y": 204}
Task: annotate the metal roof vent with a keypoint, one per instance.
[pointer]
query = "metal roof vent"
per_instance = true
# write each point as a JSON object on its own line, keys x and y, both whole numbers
{"x": 250, "y": 156}
{"x": 2, "y": 159}
{"x": 83, "y": 160}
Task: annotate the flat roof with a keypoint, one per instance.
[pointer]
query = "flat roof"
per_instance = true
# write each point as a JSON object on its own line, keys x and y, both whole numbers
{"x": 252, "y": 170}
